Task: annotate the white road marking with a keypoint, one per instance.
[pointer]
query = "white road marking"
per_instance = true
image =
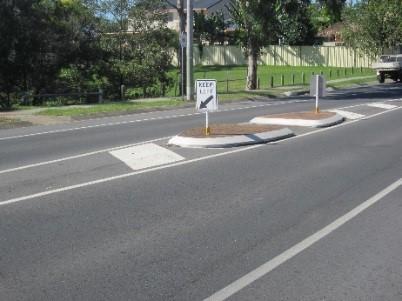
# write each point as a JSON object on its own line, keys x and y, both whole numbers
{"x": 80, "y": 155}
{"x": 98, "y": 125}
{"x": 122, "y": 176}
{"x": 152, "y": 118}
{"x": 163, "y": 138}
{"x": 146, "y": 119}
{"x": 347, "y": 114}
{"x": 145, "y": 156}
{"x": 381, "y": 105}
{"x": 270, "y": 265}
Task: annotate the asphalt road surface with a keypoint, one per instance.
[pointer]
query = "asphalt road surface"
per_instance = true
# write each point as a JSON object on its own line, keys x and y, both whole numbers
{"x": 313, "y": 217}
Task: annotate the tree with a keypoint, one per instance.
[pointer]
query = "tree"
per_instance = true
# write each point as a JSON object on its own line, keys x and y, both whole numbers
{"x": 334, "y": 9}
{"x": 295, "y": 27}
{"x": 141, "y": 57}
{"x": 374, "y": 26}
{"x": 209, "y": 28}
{"x": 324, "y": 13}
{"x": 260, "y": 23}
{"x": 256, "y": 27}
{"x": 37, "y": 39}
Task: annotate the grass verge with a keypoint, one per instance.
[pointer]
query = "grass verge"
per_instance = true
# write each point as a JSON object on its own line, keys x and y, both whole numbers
{"x": 110, "y": 109}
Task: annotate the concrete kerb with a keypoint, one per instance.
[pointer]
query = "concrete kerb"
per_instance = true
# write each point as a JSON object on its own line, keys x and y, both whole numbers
{"x": 299, "y": 122}
{"x": 232, "y": 140}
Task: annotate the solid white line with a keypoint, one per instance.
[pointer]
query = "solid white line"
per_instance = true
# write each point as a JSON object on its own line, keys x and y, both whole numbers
{"x": 106, "y": 150}
{"x": 15, "y": 200}
{"x": 122, "y": 176}
{"x": 98, "y": 125}
{"x": 335, "y": 126}
{"x": 270, "y": 265}
{"x": 145, "y": 119}
{"x": 80, "y": 155}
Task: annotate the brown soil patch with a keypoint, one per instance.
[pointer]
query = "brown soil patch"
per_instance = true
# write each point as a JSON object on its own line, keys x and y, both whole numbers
{"x": 7, "y": 123}
{"x": 303, "y": 115}
{"x": 220, "y": 130}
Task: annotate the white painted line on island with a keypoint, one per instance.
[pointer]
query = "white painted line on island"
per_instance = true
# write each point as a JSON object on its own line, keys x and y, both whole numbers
{"x": 381, "y": 105}
{"x": 347, "y": 114}
{"x": 145, "y": 156}
{"x": 272, "y": 264}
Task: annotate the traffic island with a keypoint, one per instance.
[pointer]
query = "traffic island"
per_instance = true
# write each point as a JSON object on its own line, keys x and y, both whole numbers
{"x": 311, "y": 119}
{"x": 230, "y": 135}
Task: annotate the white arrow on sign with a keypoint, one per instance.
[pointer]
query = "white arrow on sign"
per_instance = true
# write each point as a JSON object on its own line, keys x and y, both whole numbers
{"x": 206, "y": 95}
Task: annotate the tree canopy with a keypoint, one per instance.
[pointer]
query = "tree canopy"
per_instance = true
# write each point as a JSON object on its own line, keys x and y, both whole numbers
{"x": 374, "y": 26}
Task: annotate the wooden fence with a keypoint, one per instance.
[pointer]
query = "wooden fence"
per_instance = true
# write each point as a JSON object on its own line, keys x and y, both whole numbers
{"x": 329, "y": 56}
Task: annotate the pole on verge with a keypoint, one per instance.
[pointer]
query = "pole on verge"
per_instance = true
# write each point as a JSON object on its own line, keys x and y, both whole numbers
{"x": 207, "y": 128}
{"x": 317, "y": 91}
{"x": 190, "y": 84}
{"x": 182, "y": 71}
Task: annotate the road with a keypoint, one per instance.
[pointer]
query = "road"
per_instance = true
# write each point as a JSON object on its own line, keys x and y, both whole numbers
{"x": 313, "y": 217}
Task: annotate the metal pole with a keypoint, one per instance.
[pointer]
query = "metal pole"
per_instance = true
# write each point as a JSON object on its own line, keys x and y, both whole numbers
{"x": 190, "y": 84}
{"x": 207, "y": 129}
{"x": 182, "y": 72}
{"x": 317, "y": 89}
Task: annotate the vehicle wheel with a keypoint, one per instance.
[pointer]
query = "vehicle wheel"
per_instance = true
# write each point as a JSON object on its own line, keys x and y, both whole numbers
{"x": 381, "y": 78}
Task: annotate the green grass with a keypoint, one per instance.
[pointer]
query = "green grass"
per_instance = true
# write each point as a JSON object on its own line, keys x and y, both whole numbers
{"x": 233, "y": 78}
{"x": 109, "y": 108}
{"x": 351, "y": 81}
{"x": 231, "y": 83}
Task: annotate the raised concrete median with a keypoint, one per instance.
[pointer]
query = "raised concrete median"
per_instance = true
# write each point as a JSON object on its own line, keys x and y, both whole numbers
{"x": 311, "y": 119}
{"x": 230, "y": 135}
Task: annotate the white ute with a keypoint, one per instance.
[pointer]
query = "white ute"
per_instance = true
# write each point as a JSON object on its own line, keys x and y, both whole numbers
{"x": 389, "y": 66}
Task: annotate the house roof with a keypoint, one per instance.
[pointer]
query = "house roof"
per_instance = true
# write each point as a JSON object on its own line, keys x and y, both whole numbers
{"x": 201, "y": 4}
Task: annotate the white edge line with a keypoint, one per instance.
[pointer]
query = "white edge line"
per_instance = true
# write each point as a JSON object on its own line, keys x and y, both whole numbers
{"x": 98, "y": 125}
{"x": 142, "y": 120}
{"x": 335, "y": 126}
{"x": 62, "y": 189}
{"x": 122, "y": 176}
{"x": 159, "y": 118}
{"x": 80, "y": 155}
{"x": 270, "y": 265}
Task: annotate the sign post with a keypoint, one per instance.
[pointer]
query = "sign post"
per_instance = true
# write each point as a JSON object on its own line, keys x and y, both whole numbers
{"x": 207, "y": 100}
{"x": 317, "y": 89}
{"x": 183, "y": 44}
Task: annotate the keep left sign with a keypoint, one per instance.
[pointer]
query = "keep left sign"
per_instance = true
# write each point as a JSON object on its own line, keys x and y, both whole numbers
{"x": 207, "y": 100}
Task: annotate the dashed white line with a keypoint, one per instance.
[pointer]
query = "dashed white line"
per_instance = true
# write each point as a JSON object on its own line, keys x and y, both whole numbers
{"x": 270, "y": 265}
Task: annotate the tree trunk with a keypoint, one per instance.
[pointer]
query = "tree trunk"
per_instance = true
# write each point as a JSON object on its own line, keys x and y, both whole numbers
{"x": 252, "y": 67}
